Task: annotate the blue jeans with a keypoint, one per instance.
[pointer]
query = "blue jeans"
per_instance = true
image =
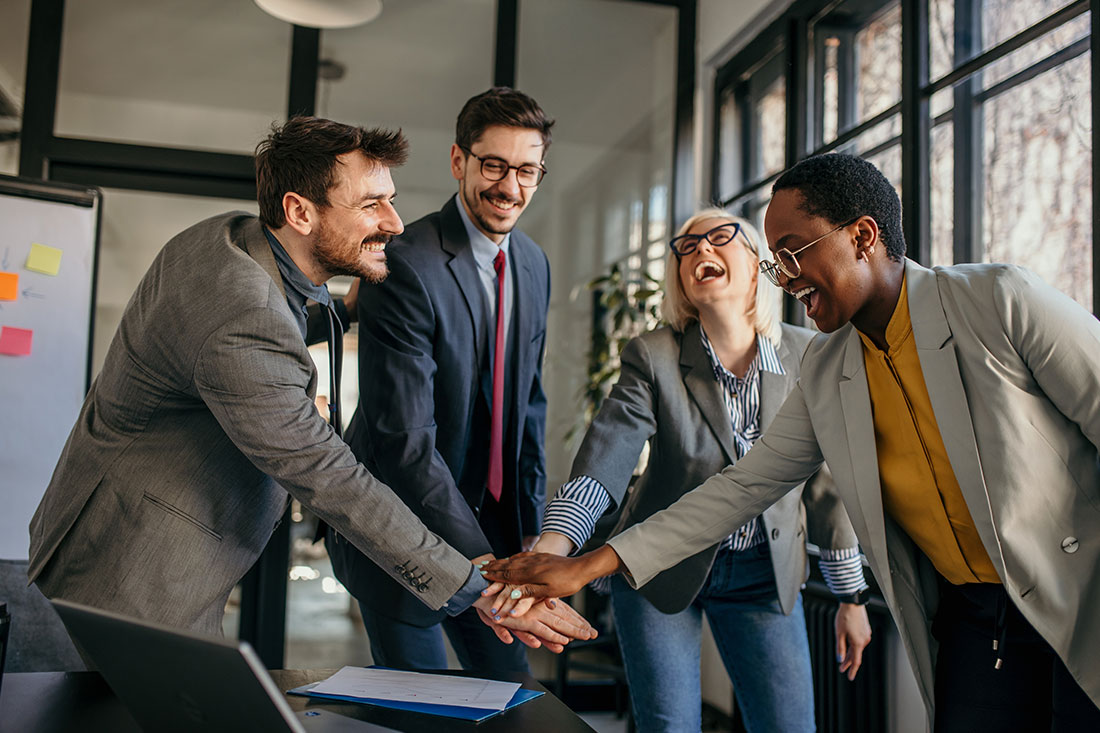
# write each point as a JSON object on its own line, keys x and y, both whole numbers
{"x": 400, "y": 645}
{"x": 765, "y": 652}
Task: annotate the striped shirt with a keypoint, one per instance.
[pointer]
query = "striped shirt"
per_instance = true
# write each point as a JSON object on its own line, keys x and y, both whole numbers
{"x": 581, "y": 501}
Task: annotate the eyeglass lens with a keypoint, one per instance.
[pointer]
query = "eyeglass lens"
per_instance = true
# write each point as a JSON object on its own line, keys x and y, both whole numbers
{"x": 719, "y": 236}
{"x": 495, "y": 169}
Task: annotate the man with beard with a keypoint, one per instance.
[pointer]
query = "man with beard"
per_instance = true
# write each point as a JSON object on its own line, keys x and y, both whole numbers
{"x": 202, "y": 419}
{"x": 452, "y": 413}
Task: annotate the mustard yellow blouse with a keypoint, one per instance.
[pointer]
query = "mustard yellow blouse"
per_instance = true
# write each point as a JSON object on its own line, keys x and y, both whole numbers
{"x": 919, "y": 488}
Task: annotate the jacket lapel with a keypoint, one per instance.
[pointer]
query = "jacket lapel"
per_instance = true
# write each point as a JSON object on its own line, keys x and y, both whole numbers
{"x": 774, "y": 387}
{"x": 698, "y": 375}
{"x": 859, "y": 427}
{"x": 463, "y": 267}
{"x": 939, "y": 363}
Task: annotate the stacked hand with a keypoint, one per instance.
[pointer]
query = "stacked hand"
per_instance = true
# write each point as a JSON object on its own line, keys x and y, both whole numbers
{"x": 551, "y": 623}
{"x": 537, "y": 575}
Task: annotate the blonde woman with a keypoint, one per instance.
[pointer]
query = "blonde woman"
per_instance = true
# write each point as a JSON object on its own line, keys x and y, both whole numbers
{"x": 701, "y": 391}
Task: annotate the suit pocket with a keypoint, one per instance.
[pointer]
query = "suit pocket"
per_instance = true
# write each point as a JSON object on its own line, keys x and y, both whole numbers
{"x": 180, "y": 514}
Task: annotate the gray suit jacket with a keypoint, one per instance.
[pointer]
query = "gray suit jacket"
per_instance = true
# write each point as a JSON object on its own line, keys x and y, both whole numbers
{"x": 1012, "y": 367}
{"x": 667, "y": 394}
{"x": 201, "y": 421}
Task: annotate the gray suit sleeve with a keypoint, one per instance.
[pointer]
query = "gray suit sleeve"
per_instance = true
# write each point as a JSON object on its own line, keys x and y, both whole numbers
{"x": 253, "y": 374}
{"x": 785, "y": 456}
{"x": 626, "y": 420}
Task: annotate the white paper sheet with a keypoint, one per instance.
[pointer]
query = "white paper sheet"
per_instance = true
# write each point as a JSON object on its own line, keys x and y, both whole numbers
{"x": 437, "y": 689}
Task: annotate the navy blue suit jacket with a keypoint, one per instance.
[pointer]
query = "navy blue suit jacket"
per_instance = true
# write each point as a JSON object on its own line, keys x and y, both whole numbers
{"x": 421, "y": 425}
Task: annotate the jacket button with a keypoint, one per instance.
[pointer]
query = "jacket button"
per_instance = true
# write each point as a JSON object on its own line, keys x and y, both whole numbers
{"x": 422, "y": 587}
{"x": 1070, "y": 545}
{"x": 775, "y": 533}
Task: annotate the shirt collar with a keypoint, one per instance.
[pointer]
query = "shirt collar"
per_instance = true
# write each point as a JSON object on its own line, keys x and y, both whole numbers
{"x": 767, "y": 359}
{"x": 485, "y": 249}
{"x": 294, "y": 278}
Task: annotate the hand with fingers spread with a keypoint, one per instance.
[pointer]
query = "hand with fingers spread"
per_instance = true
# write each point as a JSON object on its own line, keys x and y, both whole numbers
{"x": 544, "y": 575}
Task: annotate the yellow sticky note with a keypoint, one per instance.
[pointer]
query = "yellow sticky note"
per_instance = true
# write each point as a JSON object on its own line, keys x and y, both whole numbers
{"x": 9, "y": 285}
{"x": 46, "y": 260}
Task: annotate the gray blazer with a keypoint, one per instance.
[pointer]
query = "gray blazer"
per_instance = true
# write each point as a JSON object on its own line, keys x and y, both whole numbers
{"x": 667, "y": 394}
{"x": 1012, "y": 367}
{"x": 200, "y": 423}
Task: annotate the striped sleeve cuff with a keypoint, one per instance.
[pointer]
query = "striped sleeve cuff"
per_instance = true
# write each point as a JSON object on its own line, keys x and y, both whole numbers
{"x": 575, "y": 509}
{"x": 843, "y": 571}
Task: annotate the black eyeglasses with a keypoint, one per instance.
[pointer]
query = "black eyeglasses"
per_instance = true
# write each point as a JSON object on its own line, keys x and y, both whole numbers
{"x": 719, "y": 236}
{"x": 495, "y": 169}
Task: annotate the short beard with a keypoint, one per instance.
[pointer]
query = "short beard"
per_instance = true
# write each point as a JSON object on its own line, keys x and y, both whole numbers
{"x": 334, "y": 264}
{"x": 485, "y": 226}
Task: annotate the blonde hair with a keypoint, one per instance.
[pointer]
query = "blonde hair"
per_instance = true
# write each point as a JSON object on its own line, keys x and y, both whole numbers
{"x": 764, "y": 313}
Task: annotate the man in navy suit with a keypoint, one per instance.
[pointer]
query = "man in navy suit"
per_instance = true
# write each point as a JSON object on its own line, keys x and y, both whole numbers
{"x": 452, "y": 413}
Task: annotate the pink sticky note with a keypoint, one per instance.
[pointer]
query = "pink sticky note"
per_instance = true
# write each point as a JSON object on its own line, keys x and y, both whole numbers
{"x": 15, "y": 341}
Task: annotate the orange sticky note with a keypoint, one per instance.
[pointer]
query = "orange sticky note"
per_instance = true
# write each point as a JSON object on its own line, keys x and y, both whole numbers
{"x": 9, "y": 285}
{"x": 46, "y": 260}
{"x": 15, "y": 341}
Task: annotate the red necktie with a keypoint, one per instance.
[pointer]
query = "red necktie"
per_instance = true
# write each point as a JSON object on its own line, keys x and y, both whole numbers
{"x": 496, "y": 429}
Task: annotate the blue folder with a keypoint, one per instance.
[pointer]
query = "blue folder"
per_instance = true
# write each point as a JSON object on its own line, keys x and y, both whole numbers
{"x": 449, "y": 711}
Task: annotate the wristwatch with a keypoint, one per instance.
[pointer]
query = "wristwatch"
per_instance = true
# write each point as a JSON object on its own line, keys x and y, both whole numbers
{"x": 859, "y": 598}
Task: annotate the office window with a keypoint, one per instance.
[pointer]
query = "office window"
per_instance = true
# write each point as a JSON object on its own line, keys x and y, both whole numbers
{"x": 13, "y": 70}
{"x": 1009, "y": 164}
{"x": 858, "y": 69}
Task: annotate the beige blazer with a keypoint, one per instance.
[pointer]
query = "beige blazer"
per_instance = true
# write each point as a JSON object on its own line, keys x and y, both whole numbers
{"x": 1012, "y": 368}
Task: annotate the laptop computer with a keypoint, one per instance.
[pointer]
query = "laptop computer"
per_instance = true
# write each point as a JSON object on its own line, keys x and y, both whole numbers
{"x": 172, "y": 680}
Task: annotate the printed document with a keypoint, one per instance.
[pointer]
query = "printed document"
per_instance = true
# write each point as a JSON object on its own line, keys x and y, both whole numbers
{"x": 437, "y": 689}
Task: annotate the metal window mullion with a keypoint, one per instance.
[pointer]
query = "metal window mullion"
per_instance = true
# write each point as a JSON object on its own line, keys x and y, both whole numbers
{"x": 40, "y": 87}
{"x": 506, "y": 43}
{"x": 968, "y": 136}
{"x": 798, "y": 111}
{"x": 847, "y": 82}
{"x": 915, "y": 130}
{"x": 1094, "y": 7}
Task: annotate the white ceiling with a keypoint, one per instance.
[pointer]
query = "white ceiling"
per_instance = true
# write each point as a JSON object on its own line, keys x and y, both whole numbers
{"x": 592, "y": 63}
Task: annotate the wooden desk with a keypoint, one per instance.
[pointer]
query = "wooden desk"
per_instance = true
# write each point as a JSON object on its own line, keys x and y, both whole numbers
{"x": 60, "y": 702}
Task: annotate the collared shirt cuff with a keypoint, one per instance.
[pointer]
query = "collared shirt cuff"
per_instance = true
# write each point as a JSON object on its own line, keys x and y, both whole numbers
{"x": 467, "y": 594}
{"x": 575, "y": 509}
{"x": 843, "y": 571}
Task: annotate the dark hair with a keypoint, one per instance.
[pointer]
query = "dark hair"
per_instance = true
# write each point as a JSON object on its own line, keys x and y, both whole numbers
{"x": 840, "y": 188}
{"x": 500, "y": 106}
{"x": 300, "y": 156}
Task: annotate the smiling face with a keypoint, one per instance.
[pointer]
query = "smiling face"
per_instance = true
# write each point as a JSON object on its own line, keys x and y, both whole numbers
{"x": 352, "y": 231}
{"x": 719, "y": 277}
{"x": 835, "y": 283}
{"x": 495, "y": 206}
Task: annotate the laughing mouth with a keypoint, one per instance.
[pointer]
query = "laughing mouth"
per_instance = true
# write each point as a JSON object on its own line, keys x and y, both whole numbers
{"x": 708, "y": 270}
{"x": 375, "y": 243}
{"x": 804, "y": 294}
{"x": 501, "y": 204}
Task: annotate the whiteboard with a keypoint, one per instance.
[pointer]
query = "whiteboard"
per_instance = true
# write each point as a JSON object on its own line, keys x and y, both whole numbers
{"x": 41, "y": 391}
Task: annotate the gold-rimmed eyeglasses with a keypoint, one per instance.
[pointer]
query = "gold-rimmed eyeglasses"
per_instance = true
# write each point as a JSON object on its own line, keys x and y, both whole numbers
{"x": 787, "y": 263}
